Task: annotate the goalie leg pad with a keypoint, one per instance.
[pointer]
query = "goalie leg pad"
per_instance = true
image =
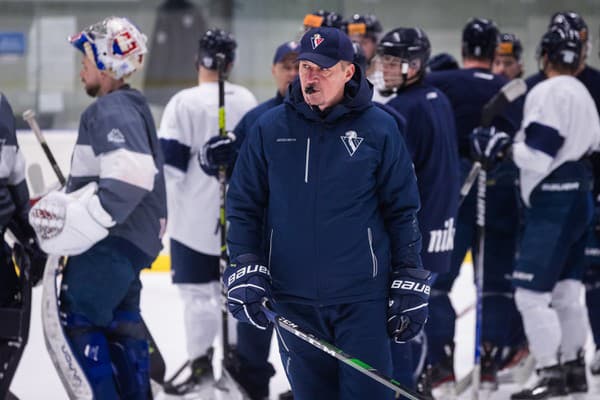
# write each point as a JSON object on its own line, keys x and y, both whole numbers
{"x": 129, "y": 354}
{"x": 90, "y": 347}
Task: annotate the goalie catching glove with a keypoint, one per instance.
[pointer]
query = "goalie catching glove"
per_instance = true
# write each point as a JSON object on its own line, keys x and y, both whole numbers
{"x": 408, "y": 305}
{"x": 248, "y": 281}
{"x": 69, "y": 224}
{"x": 489, "y": 147}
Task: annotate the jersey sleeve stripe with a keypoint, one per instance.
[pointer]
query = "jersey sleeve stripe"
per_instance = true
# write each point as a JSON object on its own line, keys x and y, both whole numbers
{"x": 543, "y": 138}
{"x": 176, "y": 153}
{"x": 130, "y": 167}
{"x": 84, "y": 162}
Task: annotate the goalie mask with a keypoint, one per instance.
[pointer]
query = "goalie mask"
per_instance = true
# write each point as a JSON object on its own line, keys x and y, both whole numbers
{"x": 115, "y": 46}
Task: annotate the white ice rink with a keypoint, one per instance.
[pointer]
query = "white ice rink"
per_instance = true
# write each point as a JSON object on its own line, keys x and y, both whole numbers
{"x": 161, "y": 307}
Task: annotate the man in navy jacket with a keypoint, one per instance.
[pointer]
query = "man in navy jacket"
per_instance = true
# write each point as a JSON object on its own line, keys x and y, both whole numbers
{"x": 325, "y": 181}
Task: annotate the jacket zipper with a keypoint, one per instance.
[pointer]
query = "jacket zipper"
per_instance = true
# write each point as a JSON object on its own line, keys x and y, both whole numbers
{"x": 373, "y": 256}
{"x": 307, "y": 157}
{"x": 270, "y": 247}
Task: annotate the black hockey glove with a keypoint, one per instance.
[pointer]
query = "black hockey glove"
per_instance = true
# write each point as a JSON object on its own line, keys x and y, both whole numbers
{"x": 408, "y": 305}
{"x": 489, "y": 147}
{"x": 219, "y": 151}
{"x": 248, "y": 281}
{"x": 25, "y": 234}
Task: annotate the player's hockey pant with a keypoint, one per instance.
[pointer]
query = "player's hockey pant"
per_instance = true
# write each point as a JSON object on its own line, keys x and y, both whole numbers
{"x": 501, "y": 234}
{"x": 359, "y": 329}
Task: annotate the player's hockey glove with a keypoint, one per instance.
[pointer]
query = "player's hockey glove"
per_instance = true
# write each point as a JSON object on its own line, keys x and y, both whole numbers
{"x": 219, "y": 151}
{"x": 489, "y": 147}
{"x": 248, "y": 281}
{"x": 408, "y": 305}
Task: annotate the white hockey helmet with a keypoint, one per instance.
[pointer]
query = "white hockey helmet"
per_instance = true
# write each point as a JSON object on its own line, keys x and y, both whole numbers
{"x": 115, "y": 45}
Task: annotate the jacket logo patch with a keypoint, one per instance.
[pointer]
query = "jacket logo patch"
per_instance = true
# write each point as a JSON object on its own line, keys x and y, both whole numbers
{"x": 115, "y": 136}
{"x": 351, "y": 141}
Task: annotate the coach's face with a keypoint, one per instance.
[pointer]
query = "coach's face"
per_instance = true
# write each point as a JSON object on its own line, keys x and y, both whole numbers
{"x": 324, "y": 87}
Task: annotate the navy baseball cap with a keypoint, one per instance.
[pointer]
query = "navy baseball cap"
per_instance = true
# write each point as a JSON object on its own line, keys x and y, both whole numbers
{"x": 285, "y": 49}
{"x": 325, "y": 47}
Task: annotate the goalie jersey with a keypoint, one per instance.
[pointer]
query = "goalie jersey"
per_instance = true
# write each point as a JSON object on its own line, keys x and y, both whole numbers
{"x": 118, "y": 148}
{"x": 189, "y": 120}
{"x": 560, "y": 124}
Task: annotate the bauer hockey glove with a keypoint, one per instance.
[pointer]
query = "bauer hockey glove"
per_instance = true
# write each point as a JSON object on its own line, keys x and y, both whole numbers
{"x": 408, "y": 305}
{"x": 219, "y": 151}
{"x": 248, "y": 281}
{"x": 489, "y": 147}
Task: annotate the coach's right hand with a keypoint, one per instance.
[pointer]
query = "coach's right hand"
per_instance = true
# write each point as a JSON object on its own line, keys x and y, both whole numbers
{"x": 248, "y": 281}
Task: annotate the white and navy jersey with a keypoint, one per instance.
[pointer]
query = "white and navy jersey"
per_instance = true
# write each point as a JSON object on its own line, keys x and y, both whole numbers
{"x": 14, "y": 195}
{"x": 189, "y": 120}
{"x": 560, "y": 124}
{"x": 117, "y": 147}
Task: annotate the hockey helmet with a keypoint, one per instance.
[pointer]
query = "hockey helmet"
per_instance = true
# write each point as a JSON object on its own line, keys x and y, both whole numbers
{"x": 480, "y": 38}
{"x": 562, "y": 46}
{"x": 323, "y": 18}
{"x": 407, "y": 44}
{"x": 364, "y": 25}
{"x": 509, "y": 45}
{"x": 213, "y": 42}
{"x": 115, "y": 45}
{"x": 572, "y": 20}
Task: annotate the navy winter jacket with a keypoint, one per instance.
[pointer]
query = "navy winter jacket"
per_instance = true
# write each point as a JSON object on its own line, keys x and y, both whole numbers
{"x": 338, "y": 193}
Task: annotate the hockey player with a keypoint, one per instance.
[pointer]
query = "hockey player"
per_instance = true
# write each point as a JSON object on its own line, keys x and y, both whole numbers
{"x": 253, "y": 345}
{"x": 507, "y": 60}
{"x": 327, "y": 177}
{"x": 113, "y": 213}
{"x": 365, "y": 30}
{"x": 442, "y": 62}
{"x": 189, "y": 124}
{"x": 14, "y": 206}
{"x": 560, "y": 127}
{"x": 431, "y": 140}
{"x": 468, "y": 89}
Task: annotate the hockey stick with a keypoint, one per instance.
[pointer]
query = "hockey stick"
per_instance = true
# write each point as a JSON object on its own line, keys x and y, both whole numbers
{"x": 157, "y": 362}
{"x": 495, "y": 106}
{"x": 227, "y": 385}
{"x": 339, "y": 354}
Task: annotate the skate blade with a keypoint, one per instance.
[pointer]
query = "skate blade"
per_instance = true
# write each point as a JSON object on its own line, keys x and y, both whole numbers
{"x": 204, "y": 391}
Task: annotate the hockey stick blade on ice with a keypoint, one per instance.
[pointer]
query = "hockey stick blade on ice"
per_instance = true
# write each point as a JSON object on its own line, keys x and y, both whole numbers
{"x": 157, "y": 362}
{"x": 339, "y": 354}
{"x": 494, "y": 107}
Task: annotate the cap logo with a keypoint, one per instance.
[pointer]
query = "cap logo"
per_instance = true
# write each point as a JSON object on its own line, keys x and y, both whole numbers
{"x": 316, "y": 40}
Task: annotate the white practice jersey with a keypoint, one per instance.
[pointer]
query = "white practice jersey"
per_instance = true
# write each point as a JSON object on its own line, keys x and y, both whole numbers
{"x": 560, "y": 124}
{"x": 189, "y": 120}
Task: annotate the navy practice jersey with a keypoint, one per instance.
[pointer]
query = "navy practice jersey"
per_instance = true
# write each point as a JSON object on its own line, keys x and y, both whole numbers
{"x": 430, "y": 136}
{"x": 469, "y": 90}
{"x": 117, "y": 147}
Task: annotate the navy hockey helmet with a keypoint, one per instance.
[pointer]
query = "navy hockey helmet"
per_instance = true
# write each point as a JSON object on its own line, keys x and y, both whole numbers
{"x": 442, "y": 62}
{"x": 364, "y": 25}
{"x": 572, "y": 20}
{"x": 321, "y": 18}
{"x": 562, "y": 46}
{"x": 407, "y": 44}
{"x": 509, "y": 45}
{"x": 480, "y": 38}
{"x": 213, "y": 42}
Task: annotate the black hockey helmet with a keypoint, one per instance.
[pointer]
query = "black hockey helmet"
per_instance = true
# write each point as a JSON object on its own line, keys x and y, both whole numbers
{"x": 213, "y": 42}
{"x": 572, "y": 20}
{"x": 407, "y": 44}
{"x": 321, "y": 18}
{"x": 360, "y": 58}
{"x": 509, "y": 45}
{"x": 365, "y": 25}
{"x": 480, "y": 38}
{"x": 442, "y": 62}
{"x": 562, "y": 46}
